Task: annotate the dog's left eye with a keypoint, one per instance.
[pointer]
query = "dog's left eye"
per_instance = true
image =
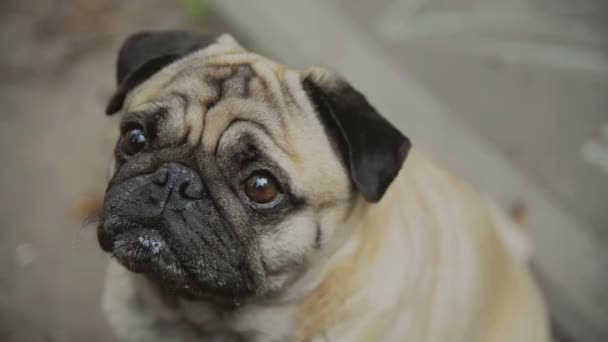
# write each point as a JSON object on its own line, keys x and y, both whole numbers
{"x": 133, "y": 140}
{"x": 261, "y": 187}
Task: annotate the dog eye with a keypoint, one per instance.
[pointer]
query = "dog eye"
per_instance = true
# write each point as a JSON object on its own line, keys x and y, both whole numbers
{"x": 261, "y": 187}
{"x": 133, "y": 140}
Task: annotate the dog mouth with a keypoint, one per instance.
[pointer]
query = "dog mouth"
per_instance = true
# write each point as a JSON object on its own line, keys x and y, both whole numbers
{"x": 146, "y": 251}
{"x": 185, "y": 251}
{"x": 142, "y": 250}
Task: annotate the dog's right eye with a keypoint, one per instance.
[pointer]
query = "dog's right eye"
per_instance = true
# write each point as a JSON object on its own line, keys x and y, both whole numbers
{"x": 133, "y": 140}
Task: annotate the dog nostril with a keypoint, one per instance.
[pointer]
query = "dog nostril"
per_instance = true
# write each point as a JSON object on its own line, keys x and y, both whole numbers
{"x": 178, "y": 182}
{"x": 191, "y": 190}
{"x": 161, "y": 177}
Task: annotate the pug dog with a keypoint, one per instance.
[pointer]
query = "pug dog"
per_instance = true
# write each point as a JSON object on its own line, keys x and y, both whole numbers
{"x": 249, "y": 201}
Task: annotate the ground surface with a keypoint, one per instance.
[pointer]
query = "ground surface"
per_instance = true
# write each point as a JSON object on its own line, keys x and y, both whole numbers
{"x": 57, "y": 69}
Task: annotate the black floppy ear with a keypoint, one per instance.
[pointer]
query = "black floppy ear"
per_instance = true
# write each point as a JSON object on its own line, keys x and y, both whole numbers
{"x": 145, "y": 53}
{"x": 372, "y": 148}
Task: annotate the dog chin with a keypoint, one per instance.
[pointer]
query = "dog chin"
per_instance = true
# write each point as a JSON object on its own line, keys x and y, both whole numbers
{"x": 146, "y": 251}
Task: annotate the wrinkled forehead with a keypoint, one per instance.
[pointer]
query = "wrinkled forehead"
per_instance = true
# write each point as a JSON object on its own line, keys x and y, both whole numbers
{"x": 221, "y": 83}
{"x": 226, "y": 70}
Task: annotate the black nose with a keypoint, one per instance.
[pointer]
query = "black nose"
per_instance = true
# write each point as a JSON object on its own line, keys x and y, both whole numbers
{"x": 182, "y": 182}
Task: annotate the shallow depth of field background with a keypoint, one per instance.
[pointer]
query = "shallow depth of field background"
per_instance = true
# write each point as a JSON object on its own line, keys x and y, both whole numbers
{"x": 509, "y": 94}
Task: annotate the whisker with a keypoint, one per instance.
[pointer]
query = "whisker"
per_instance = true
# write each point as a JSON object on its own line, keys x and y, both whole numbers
{"x": 91, "y": 219}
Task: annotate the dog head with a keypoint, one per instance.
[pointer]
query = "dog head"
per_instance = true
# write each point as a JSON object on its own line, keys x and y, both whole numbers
{"x": 233, "y": 171}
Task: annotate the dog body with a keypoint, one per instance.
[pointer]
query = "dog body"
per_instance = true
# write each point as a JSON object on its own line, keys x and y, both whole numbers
{"x": 331, "y": 253}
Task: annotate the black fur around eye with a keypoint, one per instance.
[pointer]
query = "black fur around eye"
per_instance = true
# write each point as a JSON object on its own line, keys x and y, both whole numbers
{"x": 133, "y": 140}
{"x": 261, "y": 187}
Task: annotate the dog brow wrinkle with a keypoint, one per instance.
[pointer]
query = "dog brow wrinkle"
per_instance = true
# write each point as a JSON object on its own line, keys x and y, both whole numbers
{"x": 184, "y": 140}
{"x": 246, "y": 74}
{"x": 283, "y": 76}
{"x": 267, "y": 74}
{"x": 186, "y": 103}
{"x": 218, "y": 85}
{"x": 318, "y": 236}
{"x": 246, "y": 88}
{"x": 184, "y": 99}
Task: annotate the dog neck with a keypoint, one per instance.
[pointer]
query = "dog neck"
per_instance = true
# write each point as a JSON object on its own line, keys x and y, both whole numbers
{"x": 404, "y": 269}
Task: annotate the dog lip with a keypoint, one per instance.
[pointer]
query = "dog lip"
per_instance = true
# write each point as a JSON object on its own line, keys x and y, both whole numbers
{"x": 138, "y": 243}
{"x": 146, "y": 251}
{"x": 154, "y": 245}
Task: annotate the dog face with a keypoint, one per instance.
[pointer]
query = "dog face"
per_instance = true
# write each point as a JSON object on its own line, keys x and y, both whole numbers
{"x": 232, "y": 172}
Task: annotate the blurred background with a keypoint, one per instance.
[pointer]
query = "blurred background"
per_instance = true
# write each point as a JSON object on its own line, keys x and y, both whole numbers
{"x": 510, "y": 94}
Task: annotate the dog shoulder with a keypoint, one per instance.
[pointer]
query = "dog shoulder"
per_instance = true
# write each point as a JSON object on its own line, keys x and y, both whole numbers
{"x": 500, "y": 248}
{"x": 429, "y": 176}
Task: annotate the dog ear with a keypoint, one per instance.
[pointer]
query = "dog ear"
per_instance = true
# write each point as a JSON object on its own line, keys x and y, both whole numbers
{"x": 372, "y": 148}
{"x": 145, "y": 53}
